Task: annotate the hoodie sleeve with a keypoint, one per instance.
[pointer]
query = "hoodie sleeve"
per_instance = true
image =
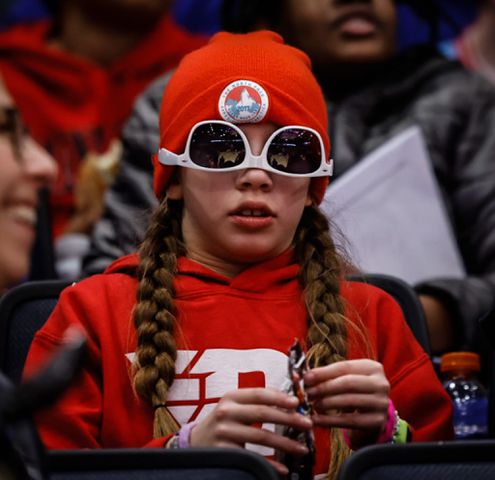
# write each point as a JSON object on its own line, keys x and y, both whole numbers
{"x": 73, "y": 422}
{"x": 100, "y": 408}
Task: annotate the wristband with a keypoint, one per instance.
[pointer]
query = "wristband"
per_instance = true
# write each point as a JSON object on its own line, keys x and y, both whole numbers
{"x": 393, "y": 419}
{"x": 185, "y": 434}
{"x": 402, "y": 432}
{"x": 393, "y": 429}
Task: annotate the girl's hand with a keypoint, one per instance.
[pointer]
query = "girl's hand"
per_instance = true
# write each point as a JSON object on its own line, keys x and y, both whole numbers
{"x": 230, "y": 424}
{"x": 352, "y": 394}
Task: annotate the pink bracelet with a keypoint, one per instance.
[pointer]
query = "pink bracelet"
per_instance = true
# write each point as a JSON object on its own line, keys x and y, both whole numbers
{"x": 388, "y": 433}
{"x": 185, "y": 434}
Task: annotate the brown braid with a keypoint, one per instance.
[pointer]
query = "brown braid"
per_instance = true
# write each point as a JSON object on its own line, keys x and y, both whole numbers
{"x": 154, "y": 318}
{"x": 321, "y": 272}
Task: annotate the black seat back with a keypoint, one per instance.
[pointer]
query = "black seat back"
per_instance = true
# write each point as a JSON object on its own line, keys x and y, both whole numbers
{"x": 23, "y": 311}
{"x": 459, "y": 460}
{"x": 155, "y": 464}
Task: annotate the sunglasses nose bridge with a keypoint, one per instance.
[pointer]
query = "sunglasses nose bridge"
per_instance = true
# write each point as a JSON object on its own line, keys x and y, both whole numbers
{"x": 253, "y": 161}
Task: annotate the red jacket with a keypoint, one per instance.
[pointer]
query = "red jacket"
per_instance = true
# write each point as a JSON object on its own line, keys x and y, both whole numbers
{"x": 232, "y": 333}
{"x": 72, "y": 106}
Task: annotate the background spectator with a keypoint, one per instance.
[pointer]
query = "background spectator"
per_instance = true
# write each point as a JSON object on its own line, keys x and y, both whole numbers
{"x": 75, "y": 77}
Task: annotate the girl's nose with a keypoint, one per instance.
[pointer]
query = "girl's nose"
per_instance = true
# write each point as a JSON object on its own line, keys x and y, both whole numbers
{"x": 254, "y": 178}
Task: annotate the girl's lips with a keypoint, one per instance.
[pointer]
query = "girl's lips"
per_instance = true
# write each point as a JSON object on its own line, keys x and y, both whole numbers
{"x": 252, "y": 215}
{"x": 251, "y": 222}
{"x": 252, "y": 209}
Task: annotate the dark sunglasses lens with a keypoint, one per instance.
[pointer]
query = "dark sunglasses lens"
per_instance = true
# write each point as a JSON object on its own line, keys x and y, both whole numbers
{"x": 216, "y": 146}
{"x": 295, "y": 151}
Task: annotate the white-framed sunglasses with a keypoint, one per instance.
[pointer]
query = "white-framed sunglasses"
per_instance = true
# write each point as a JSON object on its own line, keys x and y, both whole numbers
{"x": 217, "y": 146}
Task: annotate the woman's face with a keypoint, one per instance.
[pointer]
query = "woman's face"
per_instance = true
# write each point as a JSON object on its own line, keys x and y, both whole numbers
{"x": 336, "y": 32}
{"x": 233, "y": 219}
{"x": 25, "y": 168}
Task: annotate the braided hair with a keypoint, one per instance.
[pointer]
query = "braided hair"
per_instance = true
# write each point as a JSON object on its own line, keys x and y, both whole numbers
{"x": 154, "y": 314}
{"x": 321, "y": 272}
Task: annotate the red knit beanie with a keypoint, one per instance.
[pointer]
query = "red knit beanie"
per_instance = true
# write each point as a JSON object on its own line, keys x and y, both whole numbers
{"x": 275, "y": 78}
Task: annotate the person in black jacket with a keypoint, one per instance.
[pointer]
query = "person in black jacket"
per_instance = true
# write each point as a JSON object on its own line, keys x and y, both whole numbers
{"x": 373, "y": 93}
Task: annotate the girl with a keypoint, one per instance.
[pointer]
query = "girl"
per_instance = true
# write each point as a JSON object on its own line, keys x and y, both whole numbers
{"x": 238, "y": 262}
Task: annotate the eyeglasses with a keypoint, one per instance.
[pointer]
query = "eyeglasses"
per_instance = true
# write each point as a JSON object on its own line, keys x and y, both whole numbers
{"x": 11, "y": 124}
{"x": 217, "y": 146}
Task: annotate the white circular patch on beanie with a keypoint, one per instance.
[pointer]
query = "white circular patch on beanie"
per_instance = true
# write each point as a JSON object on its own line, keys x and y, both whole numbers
{"x": 243, "y": 101}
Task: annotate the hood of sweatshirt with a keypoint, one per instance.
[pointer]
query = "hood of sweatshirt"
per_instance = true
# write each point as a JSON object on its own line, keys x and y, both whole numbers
{"x": 263, "y": 277}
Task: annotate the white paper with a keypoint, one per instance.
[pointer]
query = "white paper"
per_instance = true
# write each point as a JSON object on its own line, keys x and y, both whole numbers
{"x": 390, "y": 211}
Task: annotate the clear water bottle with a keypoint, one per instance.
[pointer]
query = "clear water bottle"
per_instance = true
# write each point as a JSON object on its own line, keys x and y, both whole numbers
{"x": 469, "y": 396}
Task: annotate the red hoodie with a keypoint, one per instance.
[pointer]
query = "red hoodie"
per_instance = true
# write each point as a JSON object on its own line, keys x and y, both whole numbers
{"x": 232, "y": 333}
{"x": 73, "y": 106}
